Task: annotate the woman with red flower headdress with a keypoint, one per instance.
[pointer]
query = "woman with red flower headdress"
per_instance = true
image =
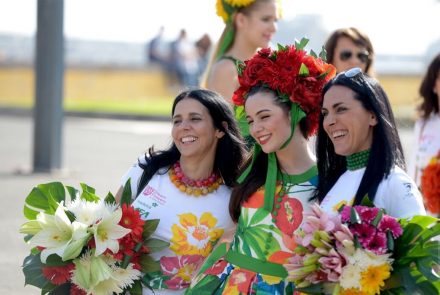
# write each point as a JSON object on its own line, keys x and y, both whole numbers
{"x": 279, "y": 95}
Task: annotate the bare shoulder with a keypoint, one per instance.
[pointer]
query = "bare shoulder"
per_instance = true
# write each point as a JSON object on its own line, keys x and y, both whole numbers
{"x": 223, "y": 78}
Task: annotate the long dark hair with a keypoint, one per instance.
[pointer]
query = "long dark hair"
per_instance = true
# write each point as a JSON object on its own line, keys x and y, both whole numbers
{"x": 257, "y": 176}
{"x": 430, "y": 99}
{"x": 230, "y": 148}
{"x": 386, "y": 149}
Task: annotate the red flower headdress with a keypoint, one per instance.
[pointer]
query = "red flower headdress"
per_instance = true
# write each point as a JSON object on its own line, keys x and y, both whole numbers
{"x": 292, "y": 73}
{"x": 431, "y": 185}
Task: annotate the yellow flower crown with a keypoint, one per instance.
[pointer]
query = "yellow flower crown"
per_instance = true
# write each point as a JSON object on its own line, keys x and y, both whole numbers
{"x": 225, "y": 8}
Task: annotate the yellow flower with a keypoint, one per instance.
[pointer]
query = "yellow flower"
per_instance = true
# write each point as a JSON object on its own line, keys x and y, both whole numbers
{"x": 221, "y": 11}
{"x": 351, "y": 291}
{"x": 373, "y": 278}
{"x": 195, "y": 237}
{"x": 239, "y": 3}
{"x": 339, "y": 205}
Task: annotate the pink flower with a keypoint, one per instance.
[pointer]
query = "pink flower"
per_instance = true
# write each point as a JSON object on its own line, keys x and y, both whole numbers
{"x": 345, "y": 214}
{"x": 332, "y": 265}
{"x": 378, "y": 244}
{"x": 364, "y": 232}
{"x": 180, "y": 269}
{"x": 391, "y": 224}
{"x": 367, "y": 214}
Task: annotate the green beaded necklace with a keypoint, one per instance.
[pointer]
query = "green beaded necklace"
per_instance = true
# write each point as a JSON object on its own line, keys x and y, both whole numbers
{"x": 357, "y": 160}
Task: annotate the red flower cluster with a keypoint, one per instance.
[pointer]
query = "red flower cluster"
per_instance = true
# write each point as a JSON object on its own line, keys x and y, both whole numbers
{"x": 131, "y": 219}
{"x": 431, "y": 185}
{"x": 58, "y": 275}
{"x": 292, "y": 73}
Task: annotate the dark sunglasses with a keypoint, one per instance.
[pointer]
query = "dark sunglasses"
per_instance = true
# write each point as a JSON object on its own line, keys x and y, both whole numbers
{"x": 351, "y": 73}
{"x": 363, "y": 56}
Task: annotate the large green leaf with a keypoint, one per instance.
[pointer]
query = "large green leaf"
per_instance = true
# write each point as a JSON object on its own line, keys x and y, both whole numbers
{"x": 148, "y": 264}
{"x": 126, "y": 193}
{"x": 155, "y": 245}
{"x": 43, "y": 197}
{"x": 33, "y": 274}
{"x": 150, "y": 226}
{"x": 136, "y": 288}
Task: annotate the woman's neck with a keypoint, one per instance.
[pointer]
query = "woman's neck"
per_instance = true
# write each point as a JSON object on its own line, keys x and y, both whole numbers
{"x": 241, "y": 50}
{"x": 296, "y": 157}
{"x": 195, "y": 169}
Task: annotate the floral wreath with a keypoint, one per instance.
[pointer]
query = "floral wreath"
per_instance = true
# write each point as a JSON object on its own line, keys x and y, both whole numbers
{"x": 292, "y": 73}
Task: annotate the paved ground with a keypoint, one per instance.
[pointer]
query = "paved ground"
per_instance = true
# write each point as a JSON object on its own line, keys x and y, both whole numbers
{"x": 96, "y": 151}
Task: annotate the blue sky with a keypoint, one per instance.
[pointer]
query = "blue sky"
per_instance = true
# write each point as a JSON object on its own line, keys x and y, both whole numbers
{"x": 401, "y": 27}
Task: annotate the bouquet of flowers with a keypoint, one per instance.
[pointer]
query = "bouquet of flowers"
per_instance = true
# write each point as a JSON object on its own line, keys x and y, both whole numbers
{"x": 430, "y": 185}
{"x": 365, "y": 251}
{"x": 83, "y": 244}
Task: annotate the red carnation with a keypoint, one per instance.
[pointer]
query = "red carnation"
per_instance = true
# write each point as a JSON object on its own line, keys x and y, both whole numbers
{"x": 58, "y": 275}
{"x": 75, "y": 290}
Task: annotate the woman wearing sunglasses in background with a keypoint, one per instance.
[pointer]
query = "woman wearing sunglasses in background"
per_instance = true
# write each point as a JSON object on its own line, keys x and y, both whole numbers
{"x": 348, "y": 48}
{"x": 359, "y": 151}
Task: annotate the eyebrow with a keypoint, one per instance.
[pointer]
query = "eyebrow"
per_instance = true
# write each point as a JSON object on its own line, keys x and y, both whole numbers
{"x": 191, "y": 114}
{"x": 335, "y": 105}
{"x": 259, "y": 112}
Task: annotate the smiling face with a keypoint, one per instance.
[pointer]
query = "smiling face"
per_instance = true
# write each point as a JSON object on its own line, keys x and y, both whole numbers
{"x": 193, "y": 130}
{"x": 259, "y": 25}
{"x": 347, "y": 123}
{"x": 269, "y": 123}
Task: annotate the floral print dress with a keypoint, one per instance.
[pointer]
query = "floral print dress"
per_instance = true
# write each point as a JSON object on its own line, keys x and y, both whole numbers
{"x": 192, "y": 225}
{"x": 263, "y": 242}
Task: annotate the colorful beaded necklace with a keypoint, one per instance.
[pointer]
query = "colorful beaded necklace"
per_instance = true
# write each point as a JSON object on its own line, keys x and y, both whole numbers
{"x": 191, "y": 187}
{"x": 358, "y": 160}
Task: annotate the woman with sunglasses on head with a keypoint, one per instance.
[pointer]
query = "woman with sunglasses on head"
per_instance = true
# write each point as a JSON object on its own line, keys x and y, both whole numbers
{"x": 348, "y": 48}
{"x": 249, "y": 25}
{"x": 425, "y": 164}
{"x": 279, "y": 95}
{"x": 188, "y": 186}
{"x": 359, "y": 151}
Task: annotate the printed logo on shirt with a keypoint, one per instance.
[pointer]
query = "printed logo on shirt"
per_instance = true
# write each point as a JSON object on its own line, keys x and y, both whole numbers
{"x": 408, "y": 188}
{"x": 148, "y": 200}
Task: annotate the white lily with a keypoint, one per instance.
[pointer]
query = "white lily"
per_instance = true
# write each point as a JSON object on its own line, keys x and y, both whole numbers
{"x": 59, "y": 236}
{"x": 107, "y": 231}
{"x": 100, "y": 276}
{"x": 86, "y": 212}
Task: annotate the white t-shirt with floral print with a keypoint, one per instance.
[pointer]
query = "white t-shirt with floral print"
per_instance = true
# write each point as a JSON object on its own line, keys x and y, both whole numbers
{"x": 192, "y": 225}
{"x": 397, "y": 194}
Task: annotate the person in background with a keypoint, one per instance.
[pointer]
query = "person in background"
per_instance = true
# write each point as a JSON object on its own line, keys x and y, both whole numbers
{"x": 348, "y": 48}
{"x": 249, "y": 25}
{"x": 203, "y": 46}
{"x": 359, "y": 151}
{"x": 281, "y": 105}
{"x": 157, "y": 53}
{"x": 185, "y": 60}
{"x": 188, "y": 186}
{"x": 427, "y": 139}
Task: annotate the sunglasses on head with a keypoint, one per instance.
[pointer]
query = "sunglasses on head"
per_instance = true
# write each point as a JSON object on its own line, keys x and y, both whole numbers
{"x": 351, "y": 73}
{"x": 363, "y": 56}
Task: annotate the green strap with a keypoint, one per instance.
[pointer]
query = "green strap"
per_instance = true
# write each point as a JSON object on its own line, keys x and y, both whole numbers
{"x": 228, "y": 39}
{"x": 215, "y": 255}
{"x": 256, "y": 265}
{"x": 296, "y": 114}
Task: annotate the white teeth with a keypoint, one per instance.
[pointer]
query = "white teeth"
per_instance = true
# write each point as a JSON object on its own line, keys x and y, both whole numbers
{"x": 263, "y": 138}
{"x": 339, "y": 133}
{"x": 188, "y": 139}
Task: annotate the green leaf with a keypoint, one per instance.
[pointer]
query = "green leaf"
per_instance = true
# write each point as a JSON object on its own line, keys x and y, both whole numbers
{"x": 313, "y": 53}
{"x": 303, "y": 70}
{"x": 390, "y": 241}
{"x": 110, "y": 198}
{"x": 55, "y": 260}
{"x": 126, "y": 193}
{"x": 323, "y": 54}
{"x": 136, "y": 288}
{"x": 43, "y": 198}
{"x": 57, "y": 290}
{"x": 150, "y": 226}
{"x": 377, "y": 219}
{"x": 148, "y": 264}
{"x": 356, "y": 242}
{"x": 354, "y": 216}
{"x": 88, "y": 193}
{"x": 424, "y": 265}
{"x": 33, "y": 274}
{"x": 367, "y": 202}
{"x": 73, "y": 192}
{"x": 302, "y": 43}
{"x": 429, "y": 287}
{"x": 155, "y": 245}
{"x": 312, "y": 289}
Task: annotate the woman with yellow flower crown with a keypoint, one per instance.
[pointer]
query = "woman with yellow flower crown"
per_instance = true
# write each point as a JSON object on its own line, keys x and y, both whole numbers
{"x": 249, "y": 25}
{"x": 279, "y": 95}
